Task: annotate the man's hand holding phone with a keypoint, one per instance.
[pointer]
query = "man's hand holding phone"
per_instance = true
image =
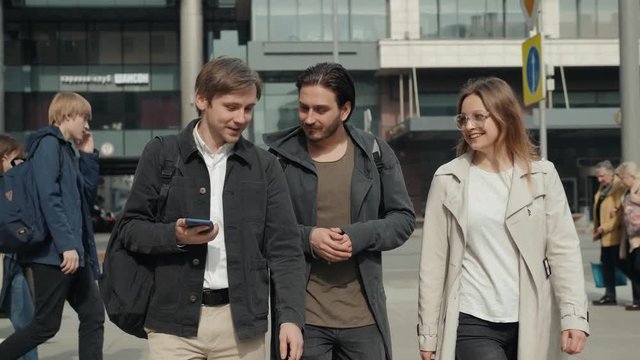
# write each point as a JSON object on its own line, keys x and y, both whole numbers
{"x": 190, "y": 231}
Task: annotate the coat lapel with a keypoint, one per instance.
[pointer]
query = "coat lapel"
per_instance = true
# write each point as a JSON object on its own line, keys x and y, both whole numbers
{"x": 457, "y": 197}
{"x": 520, "y": 192}
{"x": 522, "y": 228}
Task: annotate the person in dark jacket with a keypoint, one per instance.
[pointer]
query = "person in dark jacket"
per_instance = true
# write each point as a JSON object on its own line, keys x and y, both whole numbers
{"x": 211, "y": 291}
{"x": 65, "y": 266}
{"x": 15, "y": 296}
{"x": 348, "y": 213}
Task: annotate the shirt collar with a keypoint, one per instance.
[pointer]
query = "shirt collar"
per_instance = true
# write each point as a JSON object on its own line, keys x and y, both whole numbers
{"x": 204, "y": 149}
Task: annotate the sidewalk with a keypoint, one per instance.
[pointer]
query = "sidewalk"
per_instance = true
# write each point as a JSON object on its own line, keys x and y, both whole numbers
{"x": 614, "y": 331}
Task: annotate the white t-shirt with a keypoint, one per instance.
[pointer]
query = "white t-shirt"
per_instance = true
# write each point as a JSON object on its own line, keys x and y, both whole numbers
{"x": 489, "y": 283}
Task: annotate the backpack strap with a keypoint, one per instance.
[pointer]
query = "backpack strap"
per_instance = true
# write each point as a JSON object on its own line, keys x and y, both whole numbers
{"x": 377, "y": 158}
{"x": 171, "y": 162}
{"x": 31, "y": 154}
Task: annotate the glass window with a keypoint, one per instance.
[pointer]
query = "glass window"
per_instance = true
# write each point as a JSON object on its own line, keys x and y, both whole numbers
{"x": 586, "y": 18}
{"x": 260, "y": 21}
{"x": 13, "y": 115}
{"x": 282, "y": 20}
{"x": 343, "y": 20}
{"x": 135, "y": 43}
{"x": 107, "y": 109}
{"x": 229, "y": 44}
{"x": 73, "y": 44}
{"x": 438, "y": 104}
{"x": 45, "y": 44}
{"x": 471, "y": 18}
{"x": 15, "y": 44}
{"x": 310, "y": 20}
{"x": 488, "y": 19}
{"x": 607, "y": 19}
{"x": 105, "y": 44}
{"x": 164, "y": 43}
{"x": 368, "y": 20}
{"x": 493, "y": 19}
{"x": 429, "y": 17}
{"x": 515, "y": 24}
{"x": 366, "y": 98}
{"x": 568, "y": 19}
{"x": 449, "y": 27}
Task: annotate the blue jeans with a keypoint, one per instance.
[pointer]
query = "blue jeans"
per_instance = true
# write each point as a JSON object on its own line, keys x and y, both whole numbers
{"x": 323, "y": 343}
{"x": 484, "y": 340}
{"x": 17, "y": 299}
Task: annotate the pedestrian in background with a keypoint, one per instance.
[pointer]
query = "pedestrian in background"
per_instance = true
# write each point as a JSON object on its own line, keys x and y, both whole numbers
{"x": 629, "y": 175}
{"x": 498, "y": 236}
{"x": 15, "y": 297}
{"x": 607, "y": 227}
{"x": 65, "y": 266}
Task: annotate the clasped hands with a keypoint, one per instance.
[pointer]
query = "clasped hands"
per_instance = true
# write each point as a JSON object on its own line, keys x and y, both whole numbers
{"x": 331, "y": 244}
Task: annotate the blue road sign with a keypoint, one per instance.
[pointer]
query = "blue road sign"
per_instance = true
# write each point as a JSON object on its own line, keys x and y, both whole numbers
{"x": 533, "y": 70}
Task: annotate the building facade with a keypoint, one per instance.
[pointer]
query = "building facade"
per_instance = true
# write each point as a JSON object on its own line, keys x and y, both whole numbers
{"x": 136, "y": 60}
{"x": 446, "y": 42}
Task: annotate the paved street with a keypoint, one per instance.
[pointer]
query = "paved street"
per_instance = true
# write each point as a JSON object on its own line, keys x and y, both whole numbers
{"x": 615, "y": 333}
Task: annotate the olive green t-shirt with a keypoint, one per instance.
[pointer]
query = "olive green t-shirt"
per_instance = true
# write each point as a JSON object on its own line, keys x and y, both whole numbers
{"x": 334, "y": 292}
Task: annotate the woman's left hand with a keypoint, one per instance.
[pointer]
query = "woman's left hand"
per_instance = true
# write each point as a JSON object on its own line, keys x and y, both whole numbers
{"x": 572, "y": 341}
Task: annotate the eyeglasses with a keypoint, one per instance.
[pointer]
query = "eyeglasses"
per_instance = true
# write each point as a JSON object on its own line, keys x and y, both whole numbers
{"x": 478, "y": 119}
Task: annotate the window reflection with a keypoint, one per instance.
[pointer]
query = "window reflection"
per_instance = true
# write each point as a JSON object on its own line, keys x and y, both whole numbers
{"x": 311, "y": 20}
{"x": 39, "y": 54}
{"x": 455, "y": 19}
{"x": 589, "y": 19}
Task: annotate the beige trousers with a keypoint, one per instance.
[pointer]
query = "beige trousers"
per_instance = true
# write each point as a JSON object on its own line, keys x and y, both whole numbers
{"x": 216, "y": 339}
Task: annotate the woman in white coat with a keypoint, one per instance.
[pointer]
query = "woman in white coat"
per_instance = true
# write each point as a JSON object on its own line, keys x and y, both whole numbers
{"x": 498, "y": 237}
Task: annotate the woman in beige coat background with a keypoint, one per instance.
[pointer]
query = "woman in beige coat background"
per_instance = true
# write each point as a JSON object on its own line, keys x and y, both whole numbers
{"x": 498, "y": 237}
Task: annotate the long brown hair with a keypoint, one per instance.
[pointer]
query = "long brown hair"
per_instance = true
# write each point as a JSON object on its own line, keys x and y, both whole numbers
{"x": 500, "y": 100}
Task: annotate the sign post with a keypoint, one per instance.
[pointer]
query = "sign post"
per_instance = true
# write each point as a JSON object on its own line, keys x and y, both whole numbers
{"x": 530, "y": 11}
{"x": 534, "y": 76}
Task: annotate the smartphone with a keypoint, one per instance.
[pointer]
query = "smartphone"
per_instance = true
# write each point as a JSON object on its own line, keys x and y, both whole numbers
{"x": 191, "y": 222}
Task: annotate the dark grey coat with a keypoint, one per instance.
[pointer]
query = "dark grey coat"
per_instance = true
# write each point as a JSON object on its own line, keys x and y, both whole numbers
{"x": 260, "y": 238}
{"x": 373, "y": 228}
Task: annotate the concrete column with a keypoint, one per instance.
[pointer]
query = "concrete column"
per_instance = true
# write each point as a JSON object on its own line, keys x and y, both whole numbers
{"x": 629, "y": 11}
{"x": 2, "y": 112}
{"x": 191, "y": 55}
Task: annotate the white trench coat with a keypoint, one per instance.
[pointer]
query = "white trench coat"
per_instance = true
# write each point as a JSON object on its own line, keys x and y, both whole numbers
{"x": 540, "y": 223}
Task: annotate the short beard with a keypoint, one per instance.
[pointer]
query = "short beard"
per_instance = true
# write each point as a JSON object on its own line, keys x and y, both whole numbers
{"x": 329, "y": 131}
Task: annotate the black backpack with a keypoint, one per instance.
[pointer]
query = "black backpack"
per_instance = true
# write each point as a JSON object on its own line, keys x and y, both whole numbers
{"x": 127, "y": 278}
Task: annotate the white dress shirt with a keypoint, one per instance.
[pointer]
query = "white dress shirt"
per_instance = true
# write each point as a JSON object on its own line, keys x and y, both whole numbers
{"x": 215, "y": 274}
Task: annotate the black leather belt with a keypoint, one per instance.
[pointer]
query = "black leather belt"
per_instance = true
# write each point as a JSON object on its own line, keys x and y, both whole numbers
{"x": 215, "y": 297}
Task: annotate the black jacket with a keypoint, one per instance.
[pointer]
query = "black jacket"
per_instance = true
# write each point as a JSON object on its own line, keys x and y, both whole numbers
{"x": 261, "y": 238}
{"x": 382, "y": 216}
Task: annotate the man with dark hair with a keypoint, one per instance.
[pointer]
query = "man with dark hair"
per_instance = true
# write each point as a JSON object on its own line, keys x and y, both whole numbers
{"x": 211, "y": 292}
{"x": 351, "y": 204}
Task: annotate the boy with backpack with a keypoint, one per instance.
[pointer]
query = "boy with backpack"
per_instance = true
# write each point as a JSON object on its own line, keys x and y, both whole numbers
{"x": 64, "y": 264}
